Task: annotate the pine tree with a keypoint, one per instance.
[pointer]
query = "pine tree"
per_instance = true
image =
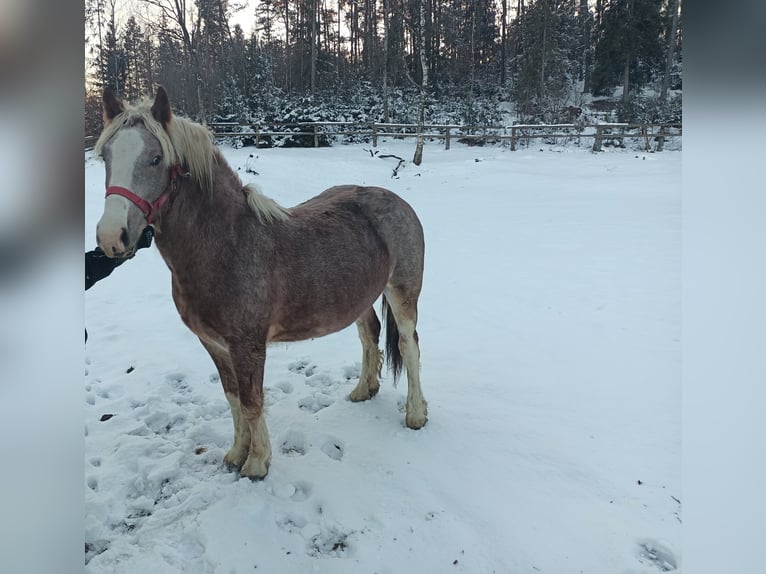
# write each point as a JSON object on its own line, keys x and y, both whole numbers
{"x": 629, "y": 49}
{"x": 547, "y": 64}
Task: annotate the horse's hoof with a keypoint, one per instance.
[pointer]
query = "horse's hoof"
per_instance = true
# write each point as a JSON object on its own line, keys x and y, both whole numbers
{"x": 357, "y": 396}
{"x": 255, "y": 469}
{"x": 233, "y": 460}
{"x": 416, "y": 418}
{"x": 416, "y": 423}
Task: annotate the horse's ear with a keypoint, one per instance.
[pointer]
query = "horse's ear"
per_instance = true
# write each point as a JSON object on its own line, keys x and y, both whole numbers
{"x": 161, "y": 106}
{"x": 112, "y": 106}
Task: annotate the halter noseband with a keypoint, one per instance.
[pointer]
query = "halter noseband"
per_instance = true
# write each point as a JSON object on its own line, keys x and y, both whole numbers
{"x": 149, "y": 209}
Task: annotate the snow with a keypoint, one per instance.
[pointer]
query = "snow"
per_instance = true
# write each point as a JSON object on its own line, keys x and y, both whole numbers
{"x": 549, "y": 329}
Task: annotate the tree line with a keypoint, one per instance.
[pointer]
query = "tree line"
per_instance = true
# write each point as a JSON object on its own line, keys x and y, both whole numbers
{"x": 541, "y": 56}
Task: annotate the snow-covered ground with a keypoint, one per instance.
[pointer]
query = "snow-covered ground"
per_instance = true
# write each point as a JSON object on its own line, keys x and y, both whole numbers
{"x": 549, "y": 330}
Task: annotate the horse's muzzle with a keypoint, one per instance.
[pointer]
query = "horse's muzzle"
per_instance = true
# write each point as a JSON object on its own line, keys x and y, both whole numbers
{"x": 113, "y": 244}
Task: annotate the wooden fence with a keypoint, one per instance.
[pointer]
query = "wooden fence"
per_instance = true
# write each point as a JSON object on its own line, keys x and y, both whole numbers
{"x": 605, "y": 133}
{"x": 319, "y": 133}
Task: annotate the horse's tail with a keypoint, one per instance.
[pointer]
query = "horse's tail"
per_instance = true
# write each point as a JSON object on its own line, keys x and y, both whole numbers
{"x": 393, "y": 355}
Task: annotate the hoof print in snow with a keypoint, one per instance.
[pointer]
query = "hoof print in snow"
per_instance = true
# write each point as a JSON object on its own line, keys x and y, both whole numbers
{"x": 315, "y": 402}
{"x": 95, "y": 548}
{"x": 297, "y": 366}
{"x": 333, "y": 448}
{"x": 105, "y": 417}
{"x": 319, "y": 381}
{"x": 178, "y": 382}
{"x": 302, "y": 491}
{"x": 294, "y": 443}
{"x": 655, "y": 553}
{"x": 352, "y": 371}
{"x": 285, "y": 386}
{"x": 291, "y": 523}
{"x": 329, "y": 542}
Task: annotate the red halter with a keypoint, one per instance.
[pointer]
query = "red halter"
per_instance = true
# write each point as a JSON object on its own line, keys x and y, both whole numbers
{"x": 149, "y": 209}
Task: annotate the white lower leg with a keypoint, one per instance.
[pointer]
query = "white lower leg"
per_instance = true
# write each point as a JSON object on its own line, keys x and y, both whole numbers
{"x": 417, "y": 410}
{"x": 259, "y": 455}
{"x": 238, "y": 452}
{"x": 369, "y": 378}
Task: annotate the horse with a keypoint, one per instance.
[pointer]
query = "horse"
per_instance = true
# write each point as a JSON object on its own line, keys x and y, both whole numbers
{"x": 247, "y": 271}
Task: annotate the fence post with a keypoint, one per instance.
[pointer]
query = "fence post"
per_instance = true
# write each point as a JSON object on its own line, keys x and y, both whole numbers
{"x": 374, "y": 134}
{"x": 316, "y": 136}
{"x": 513, "y": 138}
{"x": 597, "y": 139}
{"x": 446, "y": 138}
{"x": 257, "y": 134}
{"x": 661, "y": 139}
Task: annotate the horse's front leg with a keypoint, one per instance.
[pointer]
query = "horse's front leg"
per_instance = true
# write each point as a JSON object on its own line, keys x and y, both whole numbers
{"x": 248, "y": 361}
{"x": 238, "y": 452}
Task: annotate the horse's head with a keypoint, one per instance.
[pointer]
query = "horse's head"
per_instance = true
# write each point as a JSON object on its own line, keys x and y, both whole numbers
{"x": 141, "y": 170}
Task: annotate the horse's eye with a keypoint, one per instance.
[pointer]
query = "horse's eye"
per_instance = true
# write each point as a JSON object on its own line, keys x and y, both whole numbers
{"x": 157, "y": 159}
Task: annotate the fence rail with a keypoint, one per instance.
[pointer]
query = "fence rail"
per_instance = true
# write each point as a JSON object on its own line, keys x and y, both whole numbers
{"x": 602, "y": 134}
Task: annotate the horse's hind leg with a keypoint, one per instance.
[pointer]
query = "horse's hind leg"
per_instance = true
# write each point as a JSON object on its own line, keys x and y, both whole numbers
{"x": 372, "y": 358}
{"x": 404, "y": 305}
{"x": 238, "y": 452}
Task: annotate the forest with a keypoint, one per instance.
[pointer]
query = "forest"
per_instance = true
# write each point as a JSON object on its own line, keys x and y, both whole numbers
{"x": 468, "y": 62}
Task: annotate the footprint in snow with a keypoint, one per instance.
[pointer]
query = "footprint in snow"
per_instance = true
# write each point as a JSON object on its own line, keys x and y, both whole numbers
{"x": 658, "y": 554}
{"x": 320, "y": 381}
{"x": 291, "y": 522}
{"x": 352, "y": 371}
{"x": 298, "y": 366}
{"x": 285, "y": 386}
{"x": 316, "y": 402}
{"x": 330, "y": 540}
{"x": 294, "y": 443}
{"x": 277, "y": 392}
{"x": 302, "y": 491}
{"x": 333, "y": 448}
{"x": 178, "y": 382}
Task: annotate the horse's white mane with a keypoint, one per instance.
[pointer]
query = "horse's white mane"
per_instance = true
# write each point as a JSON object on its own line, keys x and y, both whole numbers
{"x": 266, "y": 208}
{"x": 183, "y": 142}
{"x": 188, "y": 143}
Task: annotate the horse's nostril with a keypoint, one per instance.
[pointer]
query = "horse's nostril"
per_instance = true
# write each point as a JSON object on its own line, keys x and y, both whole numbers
{"x": 124, "y": 237}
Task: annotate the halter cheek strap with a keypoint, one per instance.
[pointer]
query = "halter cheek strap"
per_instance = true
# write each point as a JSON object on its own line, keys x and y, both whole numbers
{"x": 149, "y": 209}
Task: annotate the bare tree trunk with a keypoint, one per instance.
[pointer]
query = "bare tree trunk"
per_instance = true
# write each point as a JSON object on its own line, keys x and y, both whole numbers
{"x": 314, "y": 46}
{"x": 503, "y": 42}
{"x": 418, "y": 158}
{"x": 338, "y": 57}
{"x": 287, "y": 45}
{"x": 473, "y": 55}
{"x": 628, "y": 56}
{"x": 586, "y": 32}
{"x": 671, "y": 51}
{"x": 385, "y": 61}
{"x": 626, "y": 79}
{"x": 542, "y": 62}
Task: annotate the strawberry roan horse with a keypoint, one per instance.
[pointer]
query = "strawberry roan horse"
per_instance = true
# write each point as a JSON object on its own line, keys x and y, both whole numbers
{"x": 247, "y": 272}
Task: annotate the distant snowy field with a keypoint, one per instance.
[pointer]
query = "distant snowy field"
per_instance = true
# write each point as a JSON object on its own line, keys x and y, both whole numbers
{"x": 549, "y": 330}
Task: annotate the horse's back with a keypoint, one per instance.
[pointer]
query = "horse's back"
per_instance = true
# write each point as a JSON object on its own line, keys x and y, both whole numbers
{"x": 378, "y": 208}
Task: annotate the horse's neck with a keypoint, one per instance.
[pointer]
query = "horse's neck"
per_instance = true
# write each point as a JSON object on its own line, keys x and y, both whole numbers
{"x": 197, "y": 224}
